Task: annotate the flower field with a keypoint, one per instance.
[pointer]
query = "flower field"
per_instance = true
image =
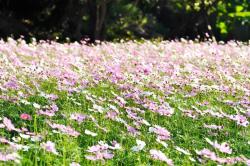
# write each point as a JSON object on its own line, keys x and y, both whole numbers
{"x": 150, "y": 103}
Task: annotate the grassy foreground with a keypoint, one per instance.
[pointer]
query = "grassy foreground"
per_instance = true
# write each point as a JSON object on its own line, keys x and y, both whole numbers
{"x": 174, "y": 103}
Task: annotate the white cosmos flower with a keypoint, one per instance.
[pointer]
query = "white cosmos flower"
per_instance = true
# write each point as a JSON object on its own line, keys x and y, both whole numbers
{"x": 140, "y": 145}
{"x": 37, "y": 106}
{"x": 90, "y": 133}
{"x": 162, "y": 142}
{"x": 24, "y": 136}
{"x": 182, "y": 150}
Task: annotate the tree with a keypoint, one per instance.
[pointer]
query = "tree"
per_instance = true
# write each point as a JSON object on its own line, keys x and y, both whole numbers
{"x": 130, "y": 19}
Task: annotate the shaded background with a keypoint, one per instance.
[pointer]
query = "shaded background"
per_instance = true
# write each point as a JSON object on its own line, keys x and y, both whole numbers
{"x": 74, "y": 20}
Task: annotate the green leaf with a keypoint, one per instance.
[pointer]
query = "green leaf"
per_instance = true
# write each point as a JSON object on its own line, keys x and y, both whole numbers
{"x": 240, "y": 14}
{"x": 239, "y": 8}
{"x": 223, "y": 28}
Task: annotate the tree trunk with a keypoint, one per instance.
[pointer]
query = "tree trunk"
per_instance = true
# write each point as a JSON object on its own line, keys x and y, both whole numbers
{"x": 100, "y": 18}
{"x": 97, "y": 18}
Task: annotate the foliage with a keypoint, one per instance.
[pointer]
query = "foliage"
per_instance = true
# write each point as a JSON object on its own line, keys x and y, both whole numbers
{"x": 234, "y": 19}
{"x": 127, "y": 19}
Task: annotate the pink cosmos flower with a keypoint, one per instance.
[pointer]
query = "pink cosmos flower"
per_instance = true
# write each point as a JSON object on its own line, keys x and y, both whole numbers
{"x": 24, "y": 129}
{"x": 111, "y": 115}
{"x": 25, "y": 116}
{"x": 10, "y": 157}
{"x": 132, "y": 130}
{"x": 165, "y": 110}
{"x": 13, "y": 145}
{"x": 9, "y": 125}
{"x": 228, "y": 160}
{"x": 205, "y": 103}
{"x": 19, "y": 146}
{"x": 121, "y": 101}
{"x": 248, "y": 162}
{"x": 54, "y": 107}
{"x": 162, "y": 133}
{"x": 46, "y": 112}
{"x": 248, "y": 113}
{"x": 78, "y": 117}
{"x": 49, "y": 112}
{"x": 50, "y": 147}
{"x": 158, "y": 155}
{"x": 100, "y": 156}
{"x": 7, "y": 122}
{"x": 240, "y": 119}
{"x": 64, "y": 129}
{"x": 101, "y": 151}
{"x": 224, "y": 147}
{"x": 4, "y": 140}
{"x": 52, "y": 97}
{"x": 11, "y": 84}
{"x": 207, "y": 154}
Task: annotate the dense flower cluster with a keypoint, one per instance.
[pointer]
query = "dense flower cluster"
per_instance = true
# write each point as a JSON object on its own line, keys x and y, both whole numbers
{"x": 148, "y": 96}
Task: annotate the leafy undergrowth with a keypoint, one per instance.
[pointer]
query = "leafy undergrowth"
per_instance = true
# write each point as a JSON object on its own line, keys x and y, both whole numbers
{"x": 112, "y": 109}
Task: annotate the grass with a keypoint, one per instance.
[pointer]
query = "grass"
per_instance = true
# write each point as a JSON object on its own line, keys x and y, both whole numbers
{"x": 186, "y": 132}
{"x": 59, "y": 101}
